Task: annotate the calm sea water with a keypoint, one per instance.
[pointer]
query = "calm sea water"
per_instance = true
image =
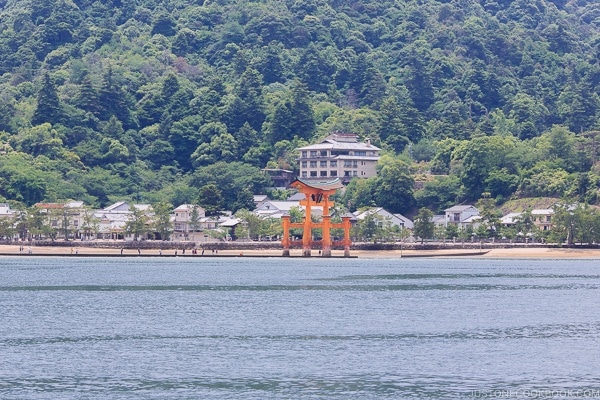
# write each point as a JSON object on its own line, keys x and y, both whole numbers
{"x": 242, "y": 328}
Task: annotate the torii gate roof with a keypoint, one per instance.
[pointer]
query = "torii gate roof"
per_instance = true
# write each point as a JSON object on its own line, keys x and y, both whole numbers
{"x": 319, "y": 185}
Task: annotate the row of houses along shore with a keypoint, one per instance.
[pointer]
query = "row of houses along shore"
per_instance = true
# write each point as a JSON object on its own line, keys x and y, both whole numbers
{"x": 339, "y": 156}
{"x": 72, "y": 220}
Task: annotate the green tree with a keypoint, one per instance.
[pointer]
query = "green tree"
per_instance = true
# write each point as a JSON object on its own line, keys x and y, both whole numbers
{"x": 586, "y": 224}
{"x": 370, "y": 227}
{"x": 490, "y": 218}
{"x": 90, "y": 224}
{"x": 359, "y": 194}
{"x": 49, "y": 108}
{"x": 441, "y": 193}
{"x": 394, "y": 186}
{"x": 137, "y": 223}
{"x": 7, "y": 228}
{"x": 163, "y": 225}
{"x": 423, "y": 225}
{"x": 302, "y": 116}
{"x": 194, "y": 219}
{"x": 563, "y": 223}
{"x": 211, "y": 199}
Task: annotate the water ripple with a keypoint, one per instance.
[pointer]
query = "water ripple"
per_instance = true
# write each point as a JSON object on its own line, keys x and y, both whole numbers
{"x": 307, "y": 287}
{"x": 520, "y": 332}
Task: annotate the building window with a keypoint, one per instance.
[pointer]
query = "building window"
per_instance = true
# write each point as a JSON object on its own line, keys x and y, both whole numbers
{"x": 360, "y": 153}
{"x": 332, "y": 173}
{"x": 347, "y": 164}
{"x": 355, "y": 164}
{"x": 304, "y": 174}
{"x": 323, "y": 153}
{"x": 347, "y": 173}
{"x": 313, "y": 164}
{"x": 323, "y": 164}
{"x": 333, "y": 163}
{"x": 354, "y": 173}
{"x": 313, "y": 173}
{"x": 304, "y": 154}
{"x": 456, "y": 217}
{"x": 323, "y": 173}
{"x": 313, "y": 153}
{"x": 548, "y": 218}
{"x": 304, "y": 164}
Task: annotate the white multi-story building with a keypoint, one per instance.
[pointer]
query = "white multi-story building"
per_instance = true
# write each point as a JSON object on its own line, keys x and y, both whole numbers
{"x": 339, "y": 155}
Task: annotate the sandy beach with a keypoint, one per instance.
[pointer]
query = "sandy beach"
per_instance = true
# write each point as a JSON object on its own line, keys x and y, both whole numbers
{"x": 517, "y": 253}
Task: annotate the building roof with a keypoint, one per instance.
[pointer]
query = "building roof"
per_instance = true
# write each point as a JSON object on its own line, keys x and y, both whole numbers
{"x": 547, "y": 211}
{"x": 297, "y": 197}
{"x": 74, "y": 204}
{"x": 49, "y": 206}
{"x": 459, "y": 208}
{"x": 471, "y": 219}
{"x": 438, "y": 219}
{"x": 341, "y": 141}
{"x": 186, "y": 207}
{"x": 259, "y": 198}
{"x": 230, "y": 222}
{"x": 277, "y": 205}
{"x": 510, "y": 218}
{"x": 116, "y": 205}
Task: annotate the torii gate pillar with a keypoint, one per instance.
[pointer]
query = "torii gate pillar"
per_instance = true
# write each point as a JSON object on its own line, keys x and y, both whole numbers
{"x": 316, "y": 194}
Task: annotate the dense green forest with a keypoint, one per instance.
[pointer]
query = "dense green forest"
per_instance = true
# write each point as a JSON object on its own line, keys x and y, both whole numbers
{"x": 167, "y": 100}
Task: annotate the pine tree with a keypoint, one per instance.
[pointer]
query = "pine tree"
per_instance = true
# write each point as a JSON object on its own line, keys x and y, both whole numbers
{"x": 48, "y": 105}
{"x": 302, "y": 119}
{"x": 87, "y": 98}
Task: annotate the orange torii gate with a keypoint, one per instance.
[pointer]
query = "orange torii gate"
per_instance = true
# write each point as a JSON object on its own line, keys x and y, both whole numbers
{"x": 316, "y": 194}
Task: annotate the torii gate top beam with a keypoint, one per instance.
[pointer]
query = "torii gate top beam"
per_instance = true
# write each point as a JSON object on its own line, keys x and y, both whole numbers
{"x": 330, "y": 186}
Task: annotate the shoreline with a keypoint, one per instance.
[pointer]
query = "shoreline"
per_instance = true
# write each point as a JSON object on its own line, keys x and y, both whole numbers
{"x": 501, "y": 253}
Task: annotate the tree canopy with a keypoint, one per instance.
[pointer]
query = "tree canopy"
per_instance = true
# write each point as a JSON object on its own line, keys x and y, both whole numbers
{"x": 138, "y": 100}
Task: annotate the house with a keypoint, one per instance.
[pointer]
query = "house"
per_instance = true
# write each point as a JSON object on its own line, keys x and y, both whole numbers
{"x": 275, "y": 208}
{"x": 184, "y": 226}
{"x": 510, "y": 219}
{"x": 473, "y": 222}
{"x": 281, "y": 178}
{"x": 386, "y": 216}
{"x": 64, "y": 218}
{"x": 7, "y": 216}
{"x": 439, "y": 220}
{"x": 543, "y": 218}
{"x": 339, "y": 155}
{"x": 112, "y": 220}
{"x": 460, "y": 215}
{"x": 260, "y": 198}
{"x": 6, "y": 212}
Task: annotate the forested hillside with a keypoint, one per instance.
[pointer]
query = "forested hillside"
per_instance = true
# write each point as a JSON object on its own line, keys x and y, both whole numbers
{"x": 156, "y": 100}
